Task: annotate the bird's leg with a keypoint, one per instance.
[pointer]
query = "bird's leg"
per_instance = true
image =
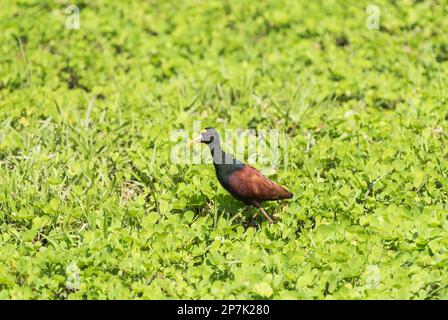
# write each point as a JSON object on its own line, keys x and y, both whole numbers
{"x": 258, "y": 205}
{"x": 251, "y": 222}
{"x": 266, "y": 215}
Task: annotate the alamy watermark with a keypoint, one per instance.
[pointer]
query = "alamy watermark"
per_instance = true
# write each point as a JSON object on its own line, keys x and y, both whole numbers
{"x": 264, "y": 147}
{"x": 73, "y": 278}
{"x": 372, "y": 276}
{"x": 373, "y": 17}
{"x": 72, "y": 21}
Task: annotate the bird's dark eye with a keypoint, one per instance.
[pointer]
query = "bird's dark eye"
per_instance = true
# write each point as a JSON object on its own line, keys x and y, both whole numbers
{"x": 209, "y": 139}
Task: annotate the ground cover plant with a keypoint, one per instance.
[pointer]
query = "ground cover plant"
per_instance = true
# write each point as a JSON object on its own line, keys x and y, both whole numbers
{"x": 91, "y": 207}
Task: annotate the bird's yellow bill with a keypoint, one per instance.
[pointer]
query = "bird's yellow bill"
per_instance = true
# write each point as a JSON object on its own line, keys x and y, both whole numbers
{"x": 197, "y": 140}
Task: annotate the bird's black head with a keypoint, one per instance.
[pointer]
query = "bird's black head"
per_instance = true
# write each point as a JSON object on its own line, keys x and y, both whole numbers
{"x": 208, "y": 136}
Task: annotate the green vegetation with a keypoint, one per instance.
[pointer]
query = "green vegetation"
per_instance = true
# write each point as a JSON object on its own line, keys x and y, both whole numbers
{"x": 88, "y": 193}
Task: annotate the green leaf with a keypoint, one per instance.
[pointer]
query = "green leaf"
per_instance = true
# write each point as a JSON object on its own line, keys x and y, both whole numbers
{"x": 263, "y": 289}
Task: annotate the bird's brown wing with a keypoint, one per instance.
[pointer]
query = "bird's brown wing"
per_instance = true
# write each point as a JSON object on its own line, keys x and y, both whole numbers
{"x": 251, "y": 184}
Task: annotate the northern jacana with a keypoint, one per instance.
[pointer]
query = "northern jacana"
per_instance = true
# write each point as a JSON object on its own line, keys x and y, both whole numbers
{"x": 243, "y": 182}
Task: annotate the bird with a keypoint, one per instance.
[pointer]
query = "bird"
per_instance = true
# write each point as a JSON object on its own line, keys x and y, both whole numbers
{"x": 242, "y": 181}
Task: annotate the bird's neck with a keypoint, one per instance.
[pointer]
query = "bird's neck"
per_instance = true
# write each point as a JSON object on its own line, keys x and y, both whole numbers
{"x": 219, "y": 156}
